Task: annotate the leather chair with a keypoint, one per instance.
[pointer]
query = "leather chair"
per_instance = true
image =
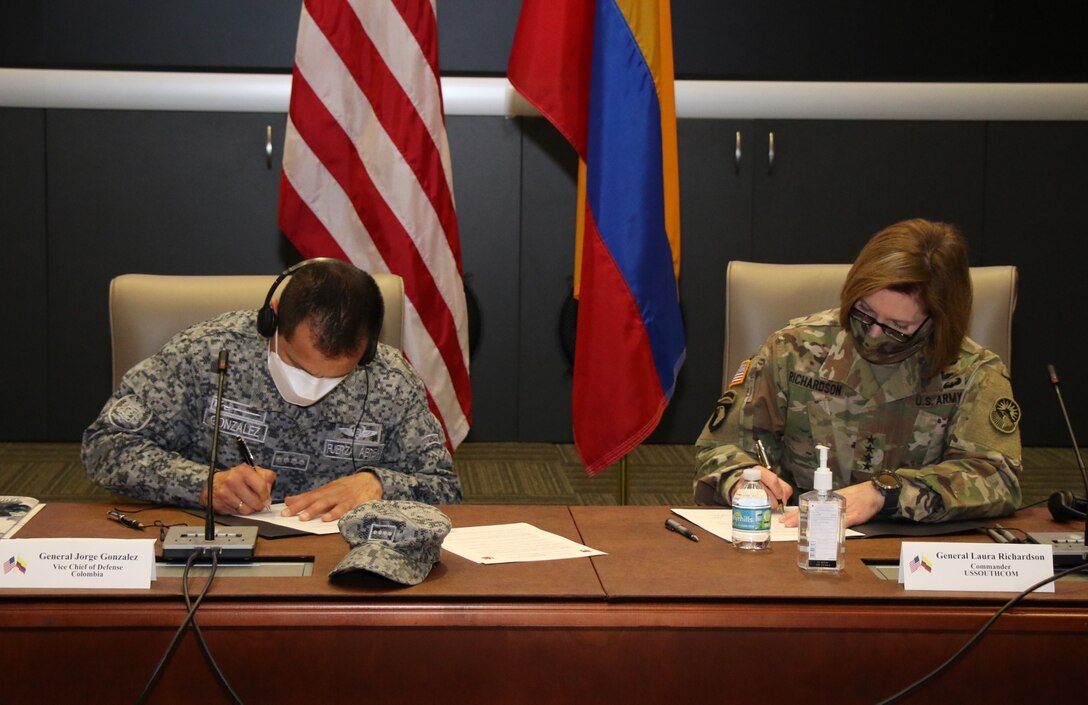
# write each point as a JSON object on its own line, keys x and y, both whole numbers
{"x": 146, "y": 310}
{"x": 761, "y": 298}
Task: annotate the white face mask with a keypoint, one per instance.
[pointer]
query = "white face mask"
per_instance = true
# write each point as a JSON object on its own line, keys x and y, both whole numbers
{"x": 297, "y": 386}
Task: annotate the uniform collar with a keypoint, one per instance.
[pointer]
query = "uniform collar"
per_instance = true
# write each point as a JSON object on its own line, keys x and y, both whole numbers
{"x": 843, "y": 364}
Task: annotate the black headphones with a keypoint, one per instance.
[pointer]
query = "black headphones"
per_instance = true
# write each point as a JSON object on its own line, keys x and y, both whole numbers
{"x": 266, "y": 317}
{"x": 1066, "y": 506}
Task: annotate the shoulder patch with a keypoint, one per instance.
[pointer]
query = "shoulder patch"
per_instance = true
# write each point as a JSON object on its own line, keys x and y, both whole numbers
{"x": 741, "y": 373}
{"x": 129, "y": 413}
{"x": 1005, "y": 416}
{"x": 724, "y": 404}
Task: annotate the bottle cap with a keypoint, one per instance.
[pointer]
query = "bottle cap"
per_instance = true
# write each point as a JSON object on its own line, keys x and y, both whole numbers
{"x": 752, "y": 474}
{"x": 821, "y": 479}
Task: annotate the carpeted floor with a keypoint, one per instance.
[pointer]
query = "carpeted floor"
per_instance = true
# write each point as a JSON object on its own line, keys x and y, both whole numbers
{"x": 501, "y": 473}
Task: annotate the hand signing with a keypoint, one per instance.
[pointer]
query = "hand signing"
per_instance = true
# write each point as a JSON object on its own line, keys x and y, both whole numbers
{"x": 332, "y": 501}
{"x": 863, "y": 502}
{"x": 241, "y": 490}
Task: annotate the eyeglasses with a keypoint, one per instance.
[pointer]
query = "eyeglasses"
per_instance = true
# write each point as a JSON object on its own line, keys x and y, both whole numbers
{"x": 893, "y": 333}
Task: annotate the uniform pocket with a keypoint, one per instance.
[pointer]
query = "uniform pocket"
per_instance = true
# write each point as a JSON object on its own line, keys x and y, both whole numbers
{"x": 928, "y": 439}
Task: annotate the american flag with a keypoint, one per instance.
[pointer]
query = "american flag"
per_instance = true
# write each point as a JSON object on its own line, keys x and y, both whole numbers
{"x": 920, "y": 562}
{"x": 14, "y": 564}
{"x": 367, "y": 177}
{"x": 741, "y": 373}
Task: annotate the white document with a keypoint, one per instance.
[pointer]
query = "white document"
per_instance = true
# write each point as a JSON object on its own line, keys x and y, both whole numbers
{"x": 77, "y": 563}
{"x": 720, "y": 523}
{"x": 978, "y": 567}
{"x": 512, "y": 543}
{"x": 313, "y": 526}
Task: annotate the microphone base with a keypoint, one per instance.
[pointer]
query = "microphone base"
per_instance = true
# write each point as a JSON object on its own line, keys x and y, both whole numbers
{"x": 234, "y": 543}
{"x": 1068, "y": 546}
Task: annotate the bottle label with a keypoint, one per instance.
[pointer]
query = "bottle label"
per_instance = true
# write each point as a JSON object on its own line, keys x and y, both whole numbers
{"x": 752, "y": 518}
{"x": 824, "y": 519}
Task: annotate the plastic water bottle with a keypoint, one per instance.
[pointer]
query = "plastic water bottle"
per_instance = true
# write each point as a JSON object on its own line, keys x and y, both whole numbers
{"x": 821, "y": 538}
{"x": 751, "y": 514}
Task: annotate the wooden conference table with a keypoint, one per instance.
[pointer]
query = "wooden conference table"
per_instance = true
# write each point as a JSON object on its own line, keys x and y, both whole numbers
{"x": 660, "y": 619}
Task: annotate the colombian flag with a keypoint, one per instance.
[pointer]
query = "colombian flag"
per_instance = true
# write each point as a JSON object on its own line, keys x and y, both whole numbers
{"x": 601, "y": 71}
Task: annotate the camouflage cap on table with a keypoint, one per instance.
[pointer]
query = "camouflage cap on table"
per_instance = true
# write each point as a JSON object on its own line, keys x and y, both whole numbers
{"x": 398, "y": 539}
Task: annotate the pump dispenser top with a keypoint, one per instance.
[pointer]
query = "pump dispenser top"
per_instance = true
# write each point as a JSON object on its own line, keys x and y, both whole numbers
{"x": 821, "y": 480}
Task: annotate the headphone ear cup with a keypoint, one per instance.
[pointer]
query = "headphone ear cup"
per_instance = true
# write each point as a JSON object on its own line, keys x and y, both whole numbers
{"x": 266, "y": 321}
{"x": 371, "y": 352}
{"x": 1064, "y": 506}
{"x": 372, "y": 345}
{"x": 376, "y": 330}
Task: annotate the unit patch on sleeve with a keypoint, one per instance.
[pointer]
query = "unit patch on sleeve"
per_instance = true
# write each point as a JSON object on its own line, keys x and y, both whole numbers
{"x": 1005, "y": 415}
{"x": 129, "y": 414}
{"x": 722, "y": 409}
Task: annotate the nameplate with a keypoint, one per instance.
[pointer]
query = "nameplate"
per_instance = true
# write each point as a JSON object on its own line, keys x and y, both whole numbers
{"x": 77, "y": 563}
{"x": 975, "y": 567}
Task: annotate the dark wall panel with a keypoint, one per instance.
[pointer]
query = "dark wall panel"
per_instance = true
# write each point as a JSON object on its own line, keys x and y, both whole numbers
{"x": 474, "y": 36}
{"x": 548, "y": 177}
{"x": 486, "y": 154}
{"x": 833, "y": 184}
{"x": 24, "y": 356}
{"x": 166, "y": 193}
{"x": 159, "y": 34}
{"x": 831, "y": 40}
{"x": 1036, "y": 219}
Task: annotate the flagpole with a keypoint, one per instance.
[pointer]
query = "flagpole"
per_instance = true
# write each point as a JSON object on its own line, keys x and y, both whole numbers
{"x": 623, "y": 481}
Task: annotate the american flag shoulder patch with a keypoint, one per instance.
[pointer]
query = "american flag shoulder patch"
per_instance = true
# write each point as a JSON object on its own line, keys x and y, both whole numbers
{"x": 741, "y": 374}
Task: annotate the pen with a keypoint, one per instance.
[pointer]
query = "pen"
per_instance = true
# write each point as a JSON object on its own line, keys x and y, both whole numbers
{"x": 122, "y": 519}
{"x": 992, "y": 533}
{"x": 673, "y": 525}
{"x": 765, "y": 461}
{"x": 1009, "y": 538}
{"x": 247, "y": 455}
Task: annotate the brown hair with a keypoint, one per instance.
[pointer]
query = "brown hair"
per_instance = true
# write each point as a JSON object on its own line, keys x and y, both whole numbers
{"x": 925, "y": 260}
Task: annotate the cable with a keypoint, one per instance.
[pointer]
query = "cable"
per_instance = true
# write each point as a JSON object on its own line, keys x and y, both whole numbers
{"x": 978, "y": 635}
{"x": 190, "y": 617}
{"x": 200, "y": 634}
{"x": 359, "y": 421}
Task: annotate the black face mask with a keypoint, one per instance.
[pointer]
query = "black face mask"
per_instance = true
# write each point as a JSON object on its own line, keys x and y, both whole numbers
{"x": 882, "y": 350}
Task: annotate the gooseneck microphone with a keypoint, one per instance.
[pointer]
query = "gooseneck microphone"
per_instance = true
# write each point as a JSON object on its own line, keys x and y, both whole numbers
{"x": 221, "y": 378}
{"x": 238, "y": 542}
{"x": 1076, "y": 448}
{"x": 1068, "y": 548}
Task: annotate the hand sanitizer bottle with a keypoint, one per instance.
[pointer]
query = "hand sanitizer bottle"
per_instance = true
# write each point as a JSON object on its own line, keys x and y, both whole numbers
{"x": 821, "y": 539}
{"x": 751, "y": 514}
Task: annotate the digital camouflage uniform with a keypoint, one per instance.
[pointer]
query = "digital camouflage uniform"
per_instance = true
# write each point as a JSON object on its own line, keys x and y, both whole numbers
{"x": 954, "y": 441}
{"x": 152, "y": 439}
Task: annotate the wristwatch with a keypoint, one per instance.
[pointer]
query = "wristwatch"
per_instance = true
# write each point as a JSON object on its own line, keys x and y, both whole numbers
{"x": 889, "y": 485}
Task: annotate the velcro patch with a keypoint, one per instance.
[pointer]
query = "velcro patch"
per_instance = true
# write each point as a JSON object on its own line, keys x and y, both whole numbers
{"x": 741, "y": 374}
{"x": 1005, "y": 416}
{"x": 382, "y": 532}
{"x": 722, "y": 410}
